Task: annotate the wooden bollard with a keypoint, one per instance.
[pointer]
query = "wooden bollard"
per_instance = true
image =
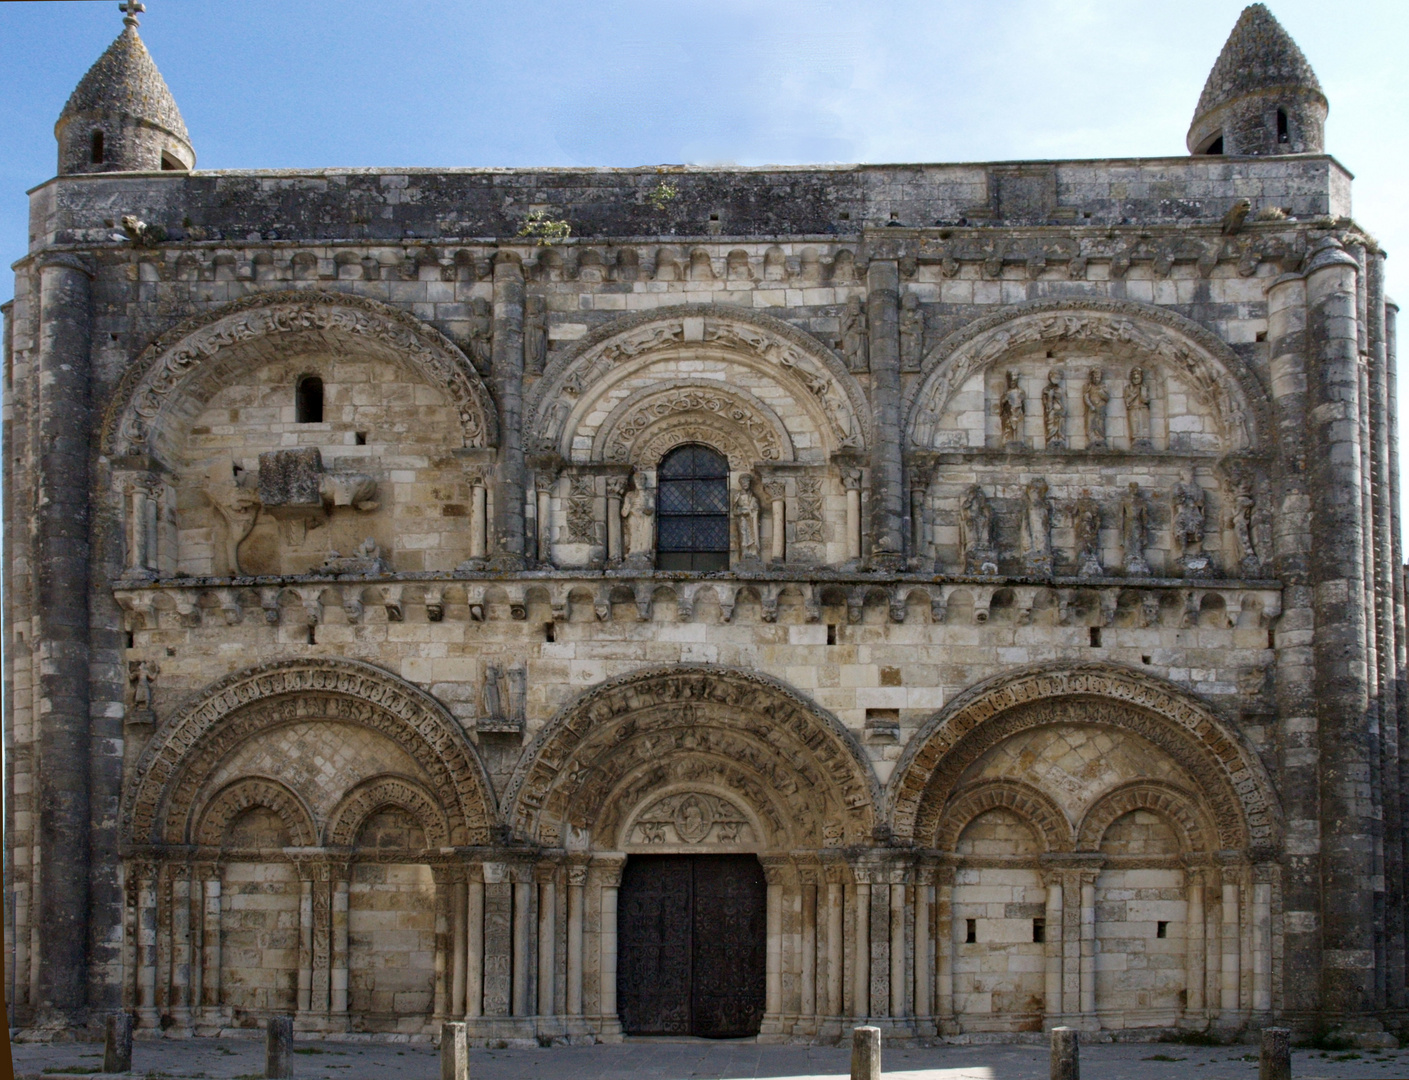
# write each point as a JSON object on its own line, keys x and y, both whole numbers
{"x": 117, "y": 1043}
{"x": 1275, "y": 1062}
{"x": 1066, "y": 1054}
{"x": 866, "y": 1053}
{"x": 279, "y": 1048}
{"x": 454, "y": 1052}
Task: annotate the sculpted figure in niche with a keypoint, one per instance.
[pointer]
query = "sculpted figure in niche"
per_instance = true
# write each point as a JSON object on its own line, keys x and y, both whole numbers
{"x": 1054, "y": 411}
{"x": 493, "y": 700}
{"x": 234, "y": 493}
{"x": 1137, "y": 410}
{"x": 481, "y": 335}
{"x": 638, "y": 513}
{"x": 535, "y": 333}
{"x": 143, "y": 671}
{"x": 1244, "y": 505}
{"x": 912, "y": 333}
{"x": 1011, "y": 407}
{"x": 1037, "y": 528}
{"x": 1189, "y": 519}
{"x": 1086, "y": 522}
{"x": 746, "y": 512}
{"x": 1096, "y": 397}
{"x": 1134, "y": 530}
{"x": 976, "y": 533}
{"x": 855, "y": 344}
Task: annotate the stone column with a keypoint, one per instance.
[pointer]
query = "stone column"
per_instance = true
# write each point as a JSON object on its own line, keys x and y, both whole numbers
{"x": 898, "y": 1005}
{"x": 775, "y": 874}
{"x": 887, "y": 480}
{"x": 609, "y": 874}
{"x": 543, "y": 483}
{"x": 146, "y": 882}
{"x": 305, "y": 946}
{"x": 442, "y": 942}
{"x": 60, "y": 641}
{"x": 479, "y": 516}
{"x": 1194, "y": 946}
{"x": 457, "y": 947}
{"x": 1231, "y": 965}
{"x": 524, "y": 889}
{"x": 1087, "y": 881}
{"x": 807, "y": 1006}
{"x": 1053, "y": 949}
{"x": 924, "y": 964}
{"x": 851, "y": 480}
{"x": 210, "y": 940}
{"x": 1262, "y": 939}
{"x": 546, "y": 874}
{"x": 1341, "y": 689}
{"x": 616, "y": 488}
{"x": 577, "y": 881}
{"x": 474, "y": 943}
{"x": 835, "y": 947}
{"x": 920, "y": 475}
{"x": 498, "y": 940}
{"x": 180, "y": 1003}
{"x": 507, "y": 365}
{"x": 944, "y": 947}
{"x": 861, "y": 973}
{"x": 338, "y": 967}
{"x": 778, "y": 545}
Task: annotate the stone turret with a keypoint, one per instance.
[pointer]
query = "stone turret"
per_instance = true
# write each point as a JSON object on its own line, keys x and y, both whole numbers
{"x": 122, "y": 117}
{"x": 1261, "y": 96}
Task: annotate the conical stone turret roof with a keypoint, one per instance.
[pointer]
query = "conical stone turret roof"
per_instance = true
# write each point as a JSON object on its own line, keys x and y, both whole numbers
{"x": 125, "y": 81}
{"x": 1258, "y": 55}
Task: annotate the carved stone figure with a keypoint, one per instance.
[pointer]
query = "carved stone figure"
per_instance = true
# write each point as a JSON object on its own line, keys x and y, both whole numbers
{"x": 1137, "y": 410}
{"x": 493, "y": 699}
{"x": 912, "y": 333}
{"x": 1054, "y": 412}
{"x": 976, "y": 533}
{"x": 1189, "y": 518}
{"x": 1096, "y": 397}
{"x": 481, "y": 335}
{"x": 231, "y": 490}
{"x": 535, "y": 333}
{"x": 518, "y": 691}
{"x": 1037, "y": 528}
{"x": 1241, "y": 520}
{"x": 746, "y": 513}
{"x": 1134, "y": 530}
{"x": 638, "y": 514}
{"x": 143, "y": 672}
{"x": 1086, "y": 524}
{"x": 1011, "y": 407}
{"x": 367, "y": 559}
{"x": 855, "y": 340}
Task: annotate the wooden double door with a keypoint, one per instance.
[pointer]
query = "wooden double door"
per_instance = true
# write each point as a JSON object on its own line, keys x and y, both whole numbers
{"x": 692, "y": 945}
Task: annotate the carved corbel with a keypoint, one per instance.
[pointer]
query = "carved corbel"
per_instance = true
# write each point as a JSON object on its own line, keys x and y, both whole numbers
{"x": 1149, "y": 609}
{"x": 187, "y": 609}
{"x": 229, "y": 606}
{"x": 983, "y": 599}
{"x": 391, "y": 601}
{"x": 856, "y": 605}
{"x": 1233, "y": 605}
{"x": 898, "y": 604}
{"x": 768, "y": 603}
{"x": 1064, "y": 607}
{"x": 269, "y": 601}
{"x": 474, "y": 597}
{"x": 645, "y": 601}
{"x": 312, "y": 600}
{"x": 558, "y": 601}
{"x": 1193, "y": 602}
{"x": 1110, "y": 602}
{"x": 812, "y": 604}
{"x": 939, "y": 604}
{"x": 602, "y": 605}
{"x": 685, "y": 602}
{"x": 435, "y": 602}
{"x": 352, "y": 605}
{"x": 139, "y": 608}
{"x": 726, "y": 604}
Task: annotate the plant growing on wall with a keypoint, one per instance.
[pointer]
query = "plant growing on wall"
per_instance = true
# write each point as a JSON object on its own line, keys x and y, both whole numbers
{"x": 661, "y": 195}
{"x": 544, "y": 229}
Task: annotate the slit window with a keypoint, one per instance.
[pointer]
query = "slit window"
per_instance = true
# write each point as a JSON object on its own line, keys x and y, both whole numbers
{"x": 95, "y": 148}
{"x": 1039, "y": 930}
{"x": 1162, "y": 929}
{"x": 1214, "y": 145}
{"x": 1095, "y": 637}
{"x": 693, "y": 510}
{"x": 1284, "y": 133}
{"x": 308, "y": 400}
{"x": 970, "y": 931}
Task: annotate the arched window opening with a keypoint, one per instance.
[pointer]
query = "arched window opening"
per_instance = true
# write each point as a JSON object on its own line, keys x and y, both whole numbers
{"x": 170, "y": 164}
{"x": 308, "y": 400}
{"x": 1284, "y": 133}
{"x": 95, "y": 149}
{"x": 693, "y": 510}
{"x": 1214, "y": 145}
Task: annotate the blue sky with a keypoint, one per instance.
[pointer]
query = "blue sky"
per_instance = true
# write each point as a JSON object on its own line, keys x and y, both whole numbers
{"x": 307, "y": 83}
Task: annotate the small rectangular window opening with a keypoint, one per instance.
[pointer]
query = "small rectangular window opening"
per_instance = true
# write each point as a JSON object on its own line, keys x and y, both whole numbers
{"x": 1284, "y": 134}
{"x": 831, "y": 633}
{"x": 970, "y": 931}
{"x": 550, "y": 632}
{"x": 1039, "y": 930}
{"x": 312, "y": 639}
{"x": 359, "y": 438}
{"x": 1161, "y": 929}
{"x": 846, "y": 215}
{"x": 308, "y": 400}
{"x": 96, "y": 148}
{"x": 1095, "y": 637}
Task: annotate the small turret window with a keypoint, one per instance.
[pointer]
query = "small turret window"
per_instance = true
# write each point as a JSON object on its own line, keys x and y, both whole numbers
{"x": 1213, "y": 145}
{"x": 308, "y": 400}
{"x": 95, "y": 148}
{"x": 170, "y": 164}
{"x": 1284, "y": 134}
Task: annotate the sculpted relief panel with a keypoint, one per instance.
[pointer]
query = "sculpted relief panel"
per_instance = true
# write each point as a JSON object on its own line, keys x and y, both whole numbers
{"x": 692, "y": 819}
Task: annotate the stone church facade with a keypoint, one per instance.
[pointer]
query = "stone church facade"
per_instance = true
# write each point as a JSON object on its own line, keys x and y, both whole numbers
{"x": 584, "y": 602}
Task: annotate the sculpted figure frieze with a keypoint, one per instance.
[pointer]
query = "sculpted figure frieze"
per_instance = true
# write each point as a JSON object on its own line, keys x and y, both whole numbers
{"x": 1012, "y": 406}
{"x": 1054, "y": 412}
{"x": 1037, "y": 528}
{"x": 1096, "y": 397}
{"x": 976, "y": 533}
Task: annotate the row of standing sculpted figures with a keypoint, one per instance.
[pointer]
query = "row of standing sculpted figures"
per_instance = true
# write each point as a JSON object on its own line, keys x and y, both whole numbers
{"x": 1012, "y": 408}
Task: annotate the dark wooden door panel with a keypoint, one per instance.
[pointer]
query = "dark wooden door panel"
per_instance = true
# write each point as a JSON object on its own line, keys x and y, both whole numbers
{"x": 730, "y": 935}
{"x": 654, "y": 927}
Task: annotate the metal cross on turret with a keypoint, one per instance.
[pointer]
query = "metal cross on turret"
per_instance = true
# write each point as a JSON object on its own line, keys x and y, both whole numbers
{"x": 130, "y": 10}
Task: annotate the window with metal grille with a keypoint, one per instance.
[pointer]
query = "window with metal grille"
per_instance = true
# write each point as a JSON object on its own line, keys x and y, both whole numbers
{"x": 692, "y": 508}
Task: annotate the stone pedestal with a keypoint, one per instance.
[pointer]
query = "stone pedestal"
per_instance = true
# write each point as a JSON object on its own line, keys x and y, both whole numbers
{"x": 1275, "y": 1062}
{"x": 866, "y": 1053}
{"x": 1066, "y": 1055}
{"x": 279, "y": 1048}
{"x": 117, "y": 1043}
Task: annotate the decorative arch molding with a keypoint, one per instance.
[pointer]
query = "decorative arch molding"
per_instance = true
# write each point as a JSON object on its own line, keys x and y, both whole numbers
{"x": 648, "y": 424}
{"x": 815, "y": 373}
{"x": 1227, "y": 385}
{"x": 235, "y": 798}
{"x": 1034, "y": 807}
{"x": 197, "y": 357}
{"x": 1179, "y": 808}
{"x": 719, "y": 798}
{"x": 615, "y": 744}
{"x": 1234, "y": 785}
{"x": 187, "y": 747}
{"x": 379, "y": 793}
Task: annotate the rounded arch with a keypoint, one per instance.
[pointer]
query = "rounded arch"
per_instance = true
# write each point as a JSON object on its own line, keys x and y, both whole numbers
{"x": 1228, "y": 386}
{"x": 184, "y": 367}
{"x": 1179, "y": 808}
{"x": 186, "y": 748}
{"x": 814, "y": 376}
{"x": 1034, "y": 807}
{"x": 231, "y": 801}
{"x": 1234, "y": 785}
{"x": 651, "y": 422}
{"x": 378, "y": 793}
{"x": 636, "y": 734}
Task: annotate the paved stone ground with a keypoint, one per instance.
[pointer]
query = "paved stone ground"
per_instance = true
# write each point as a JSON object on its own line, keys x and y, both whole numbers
{"x": 243, "y": 1059}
